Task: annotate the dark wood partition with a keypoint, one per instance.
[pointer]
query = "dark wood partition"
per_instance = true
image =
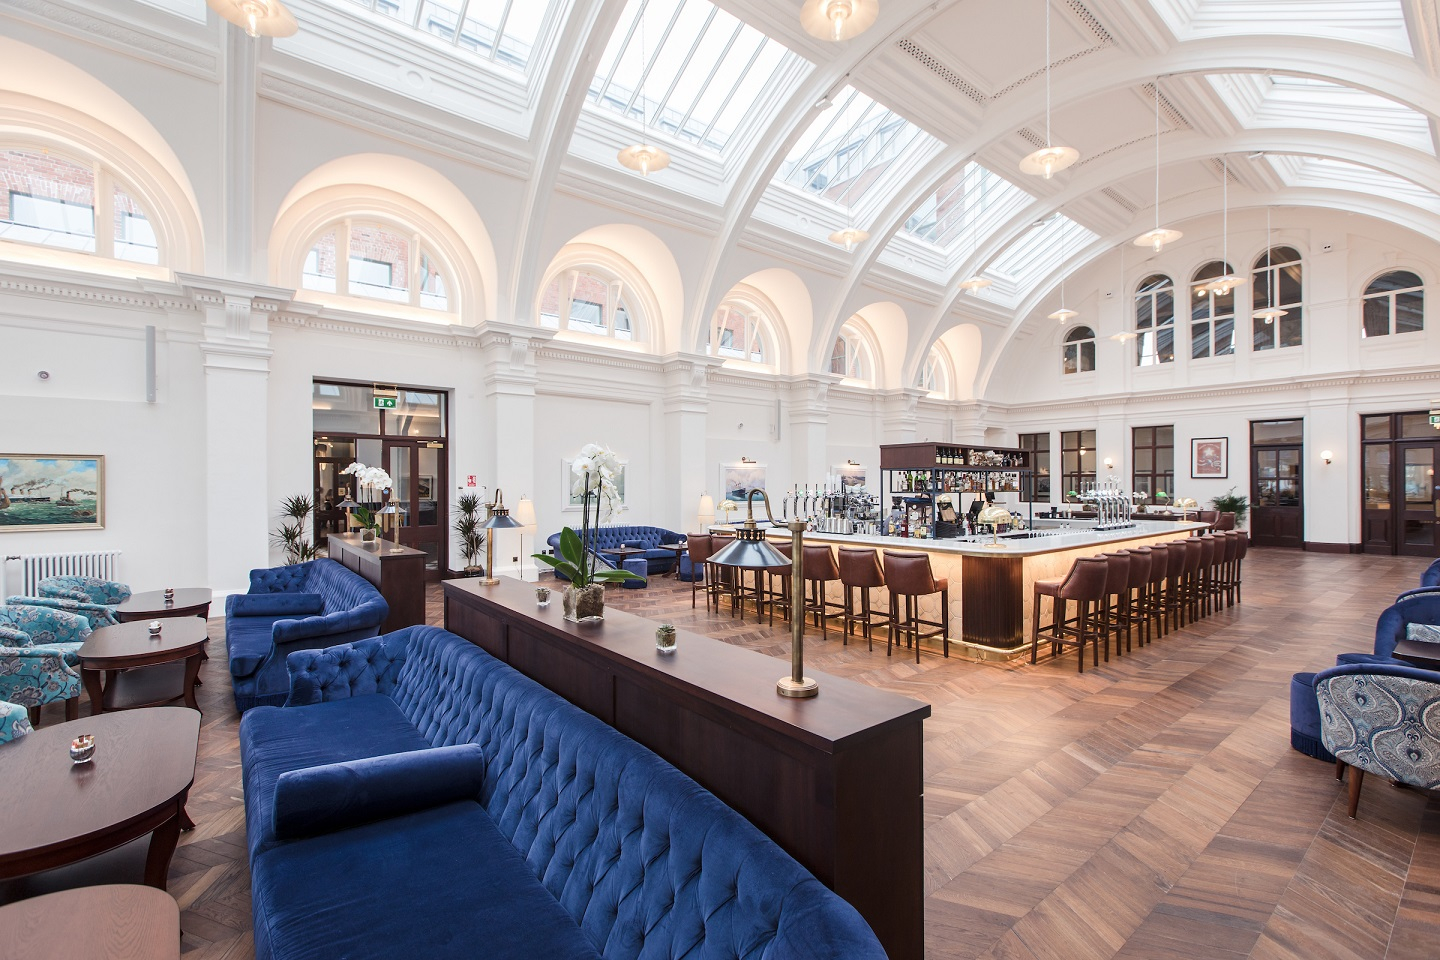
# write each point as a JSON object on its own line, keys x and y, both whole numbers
{"x": 836, "y": 781}
{"x": 397, "y": 572}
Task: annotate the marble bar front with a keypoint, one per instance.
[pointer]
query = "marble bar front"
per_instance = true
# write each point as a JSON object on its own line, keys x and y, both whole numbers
{"x": 992, "y": 589}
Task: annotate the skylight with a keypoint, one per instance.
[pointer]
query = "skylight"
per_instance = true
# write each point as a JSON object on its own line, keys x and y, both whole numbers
{"x": 1379, "y": 23}
{"x": 966, "y": 207}
{"x": 686, "y": 67}
{"x": 501, "y": 31}
{"x": 849, "y": 148}
{"x": 1323, "y": 172}
{"x": 1026, "y": 261}
{"x": 1260, "y": 102}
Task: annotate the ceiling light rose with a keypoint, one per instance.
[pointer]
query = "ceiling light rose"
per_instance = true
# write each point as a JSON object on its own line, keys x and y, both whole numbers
{"x": 1049, "y": 159}
{"x": 1157, "y": 238}
{"x": 849, "y": 237}
{"x": 260, "y": 18}
{"x": 975, "y": 283}
{"x": 644, "y": 157}
{"x": 838, "y": 19}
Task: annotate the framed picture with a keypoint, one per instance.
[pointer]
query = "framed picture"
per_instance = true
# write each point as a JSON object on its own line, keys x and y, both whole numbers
{"x": 851, "y": 475}
{"x": 425, "y": 487}
{"x": 567, "y": 482}
{"x": 1210, "y": 458}
{"x": 39, "y": 492}
{"x": 738, "y": 479}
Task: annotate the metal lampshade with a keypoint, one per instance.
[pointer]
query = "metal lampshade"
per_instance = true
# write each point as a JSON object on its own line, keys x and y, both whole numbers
{"x": 499, "y": 519}
{"x": 749, "y": 550}
{"x": 994, "y": 516}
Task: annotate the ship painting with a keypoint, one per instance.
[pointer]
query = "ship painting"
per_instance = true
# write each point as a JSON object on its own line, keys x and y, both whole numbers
{"x": 51, "y": 493}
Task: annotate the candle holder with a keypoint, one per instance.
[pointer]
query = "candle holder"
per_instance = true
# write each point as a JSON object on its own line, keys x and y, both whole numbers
{"x": 665, "y": 638}
{"x": 82, "y": 748}
{"x": 169, "y": 594}
{"x": 542, "y": 596}
{"x": 155, "y": 627}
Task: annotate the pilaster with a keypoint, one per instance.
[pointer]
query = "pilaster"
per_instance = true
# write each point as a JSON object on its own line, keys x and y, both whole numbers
{"x": 507, "y": 434}
{"x": 686, "y": 422}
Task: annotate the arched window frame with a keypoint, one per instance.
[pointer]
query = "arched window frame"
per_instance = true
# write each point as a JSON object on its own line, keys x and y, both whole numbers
{"x": 1371, "y": 298}
{"x": 854, "y": 354}
{"x": 420, "y": 250}
{"x": 760, "y": 326}
{"x": 1269, "y": 289}
{"x": 936, "y": 376}
{"x": 1077, "y": 353}
{"x": 1155, "y": 320}
{"x": 1212, "y": 313}
{"x": 618, "y": 302}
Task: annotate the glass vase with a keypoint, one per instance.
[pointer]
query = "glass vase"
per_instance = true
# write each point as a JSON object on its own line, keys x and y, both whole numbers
{"x": 585, "y": 604}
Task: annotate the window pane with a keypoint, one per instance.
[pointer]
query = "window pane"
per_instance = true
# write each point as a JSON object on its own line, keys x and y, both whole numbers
{"x": 1165, "y": 306}
{"x": 47, "y": 200}
{"x": 319, "y": 270}
{"x": 550, "y": 304}
{"x": 1289, "y": 284}
{"x": 1165, "y": 459}
{"x": 1199, "y": 340}
{"x": 1409, "y": 312}
{"x": 622, "y": 323}
{"x": 587, "y": 316}
{"x": 1263, "y": 333}
{"x": 731, "y": 330}
{"x": 432, "y": 284}
{"x": 1260, "y": 290}
{"x": 1199, "y": 304}
{"x": 1144, "y": 459}
{"x": 1376, "y": 311}
{"x": 1377, "y": 474}
{"x": 1376, "y": 428}
{"x": 1395, "y": 280}
{"x": 1224, "y": 337}
{"x": 1277, "y": 431}
{"x": 1087, "y": 355}
{"x": 379, "y": 264}
{"x": 134, "y": 235}
{"x": 1290, "y": 328}
{"x": 1416, "y": 426}
{"x": 1142, "y": 312}
{"x": 417, "y": 414}
{"x": 837, "y": 357}
{"x": 344, "y": 408}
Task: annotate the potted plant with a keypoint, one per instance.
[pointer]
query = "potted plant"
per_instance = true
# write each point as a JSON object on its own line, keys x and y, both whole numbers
{"x": 1228, "y": 502}
{"x": 379, "y": 484}
{"x": 595, "y": 470}
{"x": 292, "y": 534}
{"x": 469, "y": 535}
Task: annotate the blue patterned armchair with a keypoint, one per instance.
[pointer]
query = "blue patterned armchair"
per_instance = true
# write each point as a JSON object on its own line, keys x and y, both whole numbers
{"x": 14, "y": 721}
{"x": 97, "y": 614}
{"x": 23, "y": 626}
{"x": 85, "y": 589}
{"x": 1382, "y": 719}
{"x": 39, "y": 649}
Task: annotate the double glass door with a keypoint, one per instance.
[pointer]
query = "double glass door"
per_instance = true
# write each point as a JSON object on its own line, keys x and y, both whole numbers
{"x": 1277, "y": 483}
{"x": 417, "y": 468}
{"x": 1400, "y": 512}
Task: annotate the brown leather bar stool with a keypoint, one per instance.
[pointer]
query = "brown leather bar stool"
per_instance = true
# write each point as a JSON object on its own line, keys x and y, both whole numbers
{"x": 698, "y": 549}
{"x": 1211, "y": 550}
{"x": 1152, "y": 605}
{"x": 777, "y": 582}
{"x": 1178, "y": 557}
{"x": 1226, "y": 521}
{"x": 1190, "y": 581}
{"x": 1240, "y": 552}
{"x": 909, "y": 575}
{"x": 860, "y": 570}
{"x": 1215, "y": 580}
{"x": 820, "y": 569}
{"x": 719, "y": 581}
{"x": 1085, "y": 584}
{"x": 1133, "y": 607}
{"x": 1228, "y": 581}
{"x": 1117, "y": 589}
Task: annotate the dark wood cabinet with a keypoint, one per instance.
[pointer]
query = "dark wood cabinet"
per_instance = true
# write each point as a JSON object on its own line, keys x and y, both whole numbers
{"x": 397, "y": 572}
{"x": 836, "y": 781}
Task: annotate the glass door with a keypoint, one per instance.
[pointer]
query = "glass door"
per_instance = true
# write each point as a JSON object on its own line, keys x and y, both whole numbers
{"x": 1277, "y": 490}
{"x": 417, "y": 468}
{"x": 1419, "y": 508}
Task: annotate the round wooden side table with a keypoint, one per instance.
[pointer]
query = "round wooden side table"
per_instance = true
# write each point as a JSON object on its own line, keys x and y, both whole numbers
{"x": 152, "y": 605}
{"x": 142, "y": 670}
{"x": 110, "y": 922}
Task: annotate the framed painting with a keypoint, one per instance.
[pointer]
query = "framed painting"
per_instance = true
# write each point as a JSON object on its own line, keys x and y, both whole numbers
{"x": 425, "y": 487}
{"x": 572, "y": 501}
{"x": 851, "y": 475}
{"x": 1210, "y": 458}
{"x": 738, "y": 479}
{"x": 40, "y": 492}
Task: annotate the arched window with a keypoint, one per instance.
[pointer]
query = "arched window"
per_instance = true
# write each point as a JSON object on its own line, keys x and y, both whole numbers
{"x": 1393, "y": 303}
{"x": 1212, "y": 312}
{"x": 740, "y": 331}
{"x": 584, "y": 300}
{"x": 850, "y": 357}
{"x": 386, "y": 261}
{"x": 55, "y": 201}
{"x": 1277, "y": 287}
{"x": 1078, "y": 353}
{"x": 935, "y": 374}
{"x": 1155, "y": 320}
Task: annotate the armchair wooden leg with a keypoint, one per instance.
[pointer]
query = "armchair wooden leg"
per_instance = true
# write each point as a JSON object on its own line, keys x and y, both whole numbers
{"x": 1339, "y": 769}
{"x": 1357, "y": 779}
{"x": 34, "y": 716}
{"x": 72, "y": 708}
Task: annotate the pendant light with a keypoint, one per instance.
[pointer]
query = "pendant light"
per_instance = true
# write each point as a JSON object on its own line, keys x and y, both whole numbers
{"x": 644, "y": 157}
{"x": 849, "y": 237}
{"x": 1064, "y": 314}
{"x": 1157, "y": 238}
{"x": 836, "y": 20}
{"x": 976, "y": 282}
{"x": 1127, "y": 335}
{"x": 260, "y": 18}
{"x": 1049, "y": 159}
{"x": 1228, "y": 281}
{"x": 1271, "y": 311}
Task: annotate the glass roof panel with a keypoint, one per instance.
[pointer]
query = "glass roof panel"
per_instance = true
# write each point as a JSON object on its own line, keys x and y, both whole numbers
{"x": 1323, "y": 172}
{"x": 966, "y": 206}
{"x": 685, "y": 67}
{"x": 847, "y": 149}
{"x": 501, "y": 31}
{"x": 1035, "y": 254}
{"x": 1259, "y": 101}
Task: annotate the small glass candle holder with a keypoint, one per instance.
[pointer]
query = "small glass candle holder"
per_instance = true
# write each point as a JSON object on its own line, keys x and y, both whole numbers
{"x": 155, "y": 626}
{"x": 169, "y": 593}
{"x": 82, "y": 748}
{"x": 665, "y": 638}
{"x": 542, "y": 596}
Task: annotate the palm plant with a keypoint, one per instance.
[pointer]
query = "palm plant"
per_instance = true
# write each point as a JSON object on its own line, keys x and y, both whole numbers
{"x": 1230, "y": 502}
{"x": 292, "y": 535}
{"x": 469, "y": 535}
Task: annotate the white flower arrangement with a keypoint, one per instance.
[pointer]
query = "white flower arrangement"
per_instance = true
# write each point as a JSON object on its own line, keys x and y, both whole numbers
{"x": 595, "y": 469}
{"x": 372, "y": 477}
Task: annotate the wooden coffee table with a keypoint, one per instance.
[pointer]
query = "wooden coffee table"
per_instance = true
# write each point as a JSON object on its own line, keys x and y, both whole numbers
{"x": 58, "y": 812}
{"x": 151, "y": 605}
{"x": 109, "y": 922}
{"x": 1420, "y": 653}
{"x": 679, "y": 550}
{"x": 140, "y": 670}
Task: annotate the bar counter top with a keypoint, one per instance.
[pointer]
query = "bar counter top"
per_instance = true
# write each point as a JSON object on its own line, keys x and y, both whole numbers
{"x": 1056, "y": 535}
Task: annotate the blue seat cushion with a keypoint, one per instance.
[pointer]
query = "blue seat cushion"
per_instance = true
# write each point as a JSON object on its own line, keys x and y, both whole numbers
{"x": 1346, "y": 659}
{"x": 444, "y": 877}
{"x": 274, "y": 741}
{"x": 641, "y": 568}
{"x": 1305, "y": 718}
{"x": 248, "y": 641}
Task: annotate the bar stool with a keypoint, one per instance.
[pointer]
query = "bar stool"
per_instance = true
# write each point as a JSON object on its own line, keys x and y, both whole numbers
{"x": 909, "y": 575}
{"x": 1152, "y": 604}
{"x": 1117, "y": 589}
{"x": 1133, "y": 607}
{"x": 1189, "y": 581}
{"x": 1228, "y": 580}
{"x": 1211, "y": 549}
{"x": 777, "y": 582}
{"x": 719, "y": 581}
{"x": 860, "y": 570}
{"x": 698, "y": 549}
{"x": 1215, "y": 578}
{"x": 1178, "y": 557}
{"x": 1085, "y": 584}
{"x": 820, "y": 569}
{"x": 1240, "y": 552}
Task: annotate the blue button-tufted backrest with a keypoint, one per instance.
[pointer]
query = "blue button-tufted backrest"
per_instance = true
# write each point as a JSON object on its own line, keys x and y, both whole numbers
{"x": 288, "y": 579}
{"x": 646, "y": 861}
{"x": 1390, "y": 626}
{"x": 607, "y": 537}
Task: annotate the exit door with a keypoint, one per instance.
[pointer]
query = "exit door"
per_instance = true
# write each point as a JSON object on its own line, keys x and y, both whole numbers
{"x": 417, "y": 469}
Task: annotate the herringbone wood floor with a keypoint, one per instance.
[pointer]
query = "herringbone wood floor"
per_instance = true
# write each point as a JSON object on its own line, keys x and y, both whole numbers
{"x": 1150, "y": 808}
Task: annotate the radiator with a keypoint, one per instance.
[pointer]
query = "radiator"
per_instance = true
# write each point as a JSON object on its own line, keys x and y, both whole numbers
{"x": 22, "y": 575}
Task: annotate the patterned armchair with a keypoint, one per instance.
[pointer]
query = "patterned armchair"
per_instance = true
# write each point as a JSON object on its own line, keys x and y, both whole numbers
{"x": 26, "y": 626}
{"x": 85, "y": 589}
{"x": 14, "y": 721}
{"x": 1382, "y": 719}
{"x": 34, "y": 674}
{"x": 97, "y": 614}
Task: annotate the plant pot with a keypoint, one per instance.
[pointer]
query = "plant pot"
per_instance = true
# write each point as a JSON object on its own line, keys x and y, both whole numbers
{"x": 367, "y": 535}
{"x": 471, "y": 571}
{"x": 585, "y": 604}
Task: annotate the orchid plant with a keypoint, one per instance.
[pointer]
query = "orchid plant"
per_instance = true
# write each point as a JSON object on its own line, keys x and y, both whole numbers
{"x": 595, "y": 470}
{"x": 379, "y": 483}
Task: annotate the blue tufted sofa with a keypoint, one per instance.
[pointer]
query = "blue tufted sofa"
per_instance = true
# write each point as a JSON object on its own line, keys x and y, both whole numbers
{"x": 1391, "y": 627}
{"x": 570, "y": 840}
{"x": 650, "y": 538}
{"x": 298, "y": 607}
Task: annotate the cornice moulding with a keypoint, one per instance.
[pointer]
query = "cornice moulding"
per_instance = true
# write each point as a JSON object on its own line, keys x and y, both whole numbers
{"x": 129, "y": 37}
{"x": 582, "y": 180}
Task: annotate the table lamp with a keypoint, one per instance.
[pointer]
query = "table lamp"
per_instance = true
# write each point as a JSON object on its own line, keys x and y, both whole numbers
{"x": 994, "y": 515}
{"x": 706, "y": 513}
{"x": 525, "y": 515}
{"x": 499, "y": 519}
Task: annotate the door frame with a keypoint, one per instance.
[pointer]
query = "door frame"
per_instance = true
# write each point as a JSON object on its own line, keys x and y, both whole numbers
{"x": 1256, "y": 449}
{"x": 1393, "y": 517}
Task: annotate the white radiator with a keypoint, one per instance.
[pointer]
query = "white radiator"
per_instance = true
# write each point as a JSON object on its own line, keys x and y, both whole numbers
{"x": 22, "y": 575}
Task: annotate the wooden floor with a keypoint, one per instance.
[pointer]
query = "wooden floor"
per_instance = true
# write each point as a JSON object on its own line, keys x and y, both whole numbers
{"x": 1150, "y": 808}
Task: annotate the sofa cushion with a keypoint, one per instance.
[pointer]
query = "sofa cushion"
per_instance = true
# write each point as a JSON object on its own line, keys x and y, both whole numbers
{"x": 275, "y": 604}
{"x": 335, "y": 796}
{"x": 439, "y": 884}
{"x": 274, "y": 741}
{"x": 248, "y": 641}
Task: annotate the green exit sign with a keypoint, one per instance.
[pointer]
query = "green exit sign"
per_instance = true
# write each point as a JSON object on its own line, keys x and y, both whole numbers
{"x": 1435, "y": 419}
{"x": 385, "y": 403}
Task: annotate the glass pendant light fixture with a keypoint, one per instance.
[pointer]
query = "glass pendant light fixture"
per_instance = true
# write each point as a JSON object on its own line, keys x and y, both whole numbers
{"x": 1157, "y": 238}
{"x": 1049, "y": 159}
{"x": 1222, "y": 285}
{"x": 837, "y": 20}
{"x": 260, "y": 18}
{"x": 849, "y": 237}
{"x": 1271, "y": 312}
{"x": 1064, "y": 314}
{"x": 644, "y": 157}
{"x": 975, "y": 283}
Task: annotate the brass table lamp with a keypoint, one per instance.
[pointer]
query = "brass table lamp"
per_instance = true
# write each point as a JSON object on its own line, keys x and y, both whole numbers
{"x": 499, "y": 519}
{"x": 994, "y": 515}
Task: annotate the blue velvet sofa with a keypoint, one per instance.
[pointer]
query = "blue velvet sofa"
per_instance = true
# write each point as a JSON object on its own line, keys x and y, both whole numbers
{"x": 303, "y": 606}
{"x": 1393, "y": 625}
{"x": 418, "y": 797}
{"x": 649, "y": 538}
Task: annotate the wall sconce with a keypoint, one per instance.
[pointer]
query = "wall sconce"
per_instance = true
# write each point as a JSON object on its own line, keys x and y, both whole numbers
{"x": 746, "y": 460}
{"x": 1327, "y": 455}
{"x": 1109, "y": 463}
